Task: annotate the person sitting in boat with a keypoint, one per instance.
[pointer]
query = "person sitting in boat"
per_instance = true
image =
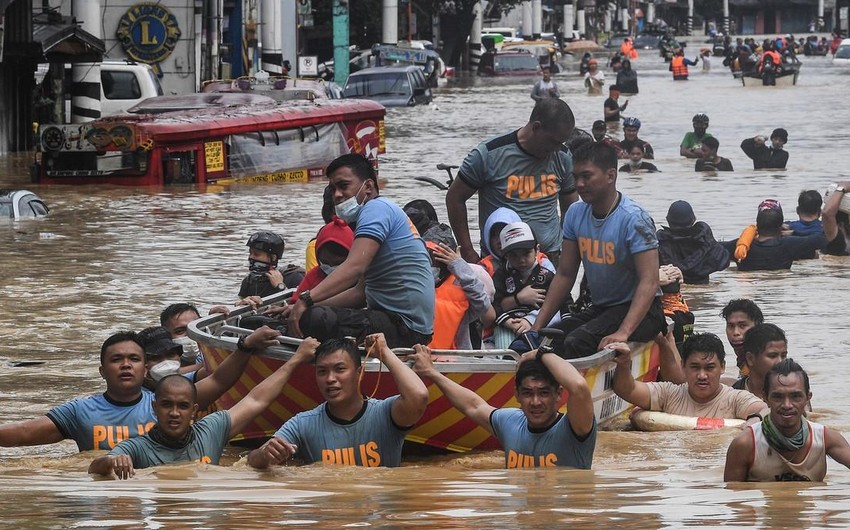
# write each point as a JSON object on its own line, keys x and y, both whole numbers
{"x": 310, "y": 260}
{"x": 124, "y": 410}
{"x": 521, "y": 284}
{"x": 464, "y": 294}
{"x": 387, "y": 269}
{"x": 333, "y": 242}
{"x": 594, "y": 79}
{"x": 264, "y": 278}
{"x": 599, "y": 132}
{"x": 162, "y": 355}
{"x": 740, "y": 315}
{"x": 545, "y": 88}
{"x": 764, "y": 157}
{"x": 631, "y": 126}
{"x": 710, "y": 160}
{"x": 691, "y": 146}
{"x": 613, "y": 238}
{"x": 679, "y": 65}
{"x": 491, "y": 244}
{"x": 536, "y": 434}
{"x": 176, "y": 438}
{"x": 611, "y": 107}
{"x": 627, "y": 78}
{"x": 347, "y": 429}
{"x": 636, "y": 162}
{"x": 764, "y": 347}
{"x": 690, "y": 245}
{"x": 785, "y": 446}
{"x": 770, "y": 250}
{"x": 176, "y": 318}
{"x": 702, "y": 395}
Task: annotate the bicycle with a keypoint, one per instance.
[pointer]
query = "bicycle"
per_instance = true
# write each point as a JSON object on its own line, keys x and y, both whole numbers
{"x": 443, "y": 167}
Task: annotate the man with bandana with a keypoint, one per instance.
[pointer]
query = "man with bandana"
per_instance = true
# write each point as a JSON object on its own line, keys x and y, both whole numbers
{"x": 175, "y": 438}
{"x": 785, "y": 446}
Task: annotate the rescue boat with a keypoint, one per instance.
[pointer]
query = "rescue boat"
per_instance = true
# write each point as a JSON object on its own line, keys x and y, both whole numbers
{"x": 489, "y": 373}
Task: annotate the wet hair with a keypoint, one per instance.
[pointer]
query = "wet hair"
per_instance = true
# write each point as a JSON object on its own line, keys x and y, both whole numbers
{"x": 358, "y": 164}
{"x": 334, "y": 345}
{"x": 174, "y": 310}
{"x": 121, "y": 336}
{"x": 535, "y": 369}
{"x": 613, "y": 88}
{"x": 711, "y": 142}
{"x": 809, "y": 202}
{"x": 599, "y": 154}
{"x": 757, "y": 337}
{"x": 769, "y": 222}
{"x": 780, "y": 133}
{"x": 703, "y": 343}
{"x": 743, "y": 305}
{"x": 175, "y": 380}
{"x": 784, "y": 368}
{"x": 552, "y": 113}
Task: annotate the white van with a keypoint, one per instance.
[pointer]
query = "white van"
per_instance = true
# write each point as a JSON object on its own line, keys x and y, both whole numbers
{"x": 842, "y": 54}
{"x": 123, "y": 84}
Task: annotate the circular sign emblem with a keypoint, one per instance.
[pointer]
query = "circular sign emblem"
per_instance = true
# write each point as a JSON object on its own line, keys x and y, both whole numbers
{"x": 148, "y": 32}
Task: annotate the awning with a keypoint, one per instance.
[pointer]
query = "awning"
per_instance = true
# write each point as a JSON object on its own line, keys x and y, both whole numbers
{"x": 65, "y": 41}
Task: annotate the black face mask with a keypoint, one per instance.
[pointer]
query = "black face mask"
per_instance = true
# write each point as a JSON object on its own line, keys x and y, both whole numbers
{"x": 258, "y": 268}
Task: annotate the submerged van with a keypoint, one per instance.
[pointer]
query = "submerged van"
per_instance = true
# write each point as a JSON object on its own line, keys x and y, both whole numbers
{"x": 391, "y": 86}
{"x": 842, "y": 54}
{"x": 122, "y": 85}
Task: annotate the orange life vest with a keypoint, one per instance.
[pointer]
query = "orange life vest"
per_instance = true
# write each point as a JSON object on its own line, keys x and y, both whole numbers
{"x": 774, "y": 56}
{"x": 680, "y": 69}
{"x": 487, "y": 263}
{"x": 450, "y": 308}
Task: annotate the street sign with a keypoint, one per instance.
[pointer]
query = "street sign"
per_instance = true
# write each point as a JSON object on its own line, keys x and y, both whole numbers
{"x": 308, "y": 66}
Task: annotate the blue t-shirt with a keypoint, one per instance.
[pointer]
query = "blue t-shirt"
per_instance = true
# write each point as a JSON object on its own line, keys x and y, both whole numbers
{"x": 97, "y": 422}
{"x": 506, "y": 175}
{"x": 372, "y": 439}
{"x": 607, "y": 248}
{"x": 806, "y": 228}
{"x": 556, "y": 446}
{"x": 399, "y": 279}
{"x": 211, "y": 435}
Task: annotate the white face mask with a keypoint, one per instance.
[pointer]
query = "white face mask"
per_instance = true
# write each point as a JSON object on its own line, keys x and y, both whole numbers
{"x": 348, "y": 209}
{"x": 327, "y": 269}
{"x": 164, "y": 368}
{"x": 191, "y": 353}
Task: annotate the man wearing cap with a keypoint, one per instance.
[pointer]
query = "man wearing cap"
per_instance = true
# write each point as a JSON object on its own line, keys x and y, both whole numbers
{"x": 175, "y": 438}
{"x": 764, "y": 157}
{"x": 613, "y": 238}
{"x": 691, "y": 146}
{"x": 600, "y": 135}
{"x": 162, "y": 355}
{"x": 689, "y": 245}
{"x": 124, "y": 411}
{"x": 528, "y": 170}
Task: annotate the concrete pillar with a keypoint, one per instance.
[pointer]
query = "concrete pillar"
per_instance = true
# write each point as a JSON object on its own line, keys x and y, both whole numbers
{"x": 475, "y": 37}
{"x": 390, "y": 24}
{"x": 271, "y": 24}
{"x": 690, "y": 17}
{"x": 624, "y": 19}
{"x": 341, "y": 56}
{"x": 569, "y": 20}
{"x": 527, "y": 16}
{"x": 650, "y": 13}
{"x": 215, "y": 38}
{"x": 726, "y": 17}
{"x": 606, "y": 24}
{"x": 581, "y": 22}
{"x": 536, "y": 18}
{"x": 85, "y": 77}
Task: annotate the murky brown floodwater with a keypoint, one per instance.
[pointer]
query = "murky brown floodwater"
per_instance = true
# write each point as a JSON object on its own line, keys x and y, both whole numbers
{"x": 111, "y": 258}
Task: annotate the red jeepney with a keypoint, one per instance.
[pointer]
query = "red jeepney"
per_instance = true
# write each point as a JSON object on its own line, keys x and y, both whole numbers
{"x": 272, "y": 142}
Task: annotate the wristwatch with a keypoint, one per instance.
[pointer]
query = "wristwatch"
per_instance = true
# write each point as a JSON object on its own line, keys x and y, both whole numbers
{"x": 840, "y": 189}
{"x": 240, "y": 345}
{"x": 306, "y": 298}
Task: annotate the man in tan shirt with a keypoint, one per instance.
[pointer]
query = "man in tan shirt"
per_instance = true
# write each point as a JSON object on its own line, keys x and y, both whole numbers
{"x": 702, "y": 394}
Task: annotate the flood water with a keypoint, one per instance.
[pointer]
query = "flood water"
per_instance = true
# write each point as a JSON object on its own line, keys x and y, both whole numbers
{"x": 110, "y": 258}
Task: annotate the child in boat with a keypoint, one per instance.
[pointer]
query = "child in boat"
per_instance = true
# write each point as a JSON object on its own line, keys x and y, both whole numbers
{"x": 264, "y": 278}
{"x": 333, "y": 242}
{"x": 521, "y": 283}
{"x": 464, "y": 294}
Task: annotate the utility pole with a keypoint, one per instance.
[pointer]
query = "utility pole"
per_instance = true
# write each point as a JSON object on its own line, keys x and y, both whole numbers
{"x": 341, "y": 58}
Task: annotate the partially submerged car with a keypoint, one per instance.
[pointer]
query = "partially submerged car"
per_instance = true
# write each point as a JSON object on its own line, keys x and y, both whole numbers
{"x": 21, "y": 204}
{"x": 391, "y": 86}
{"x": 509, "y": 63}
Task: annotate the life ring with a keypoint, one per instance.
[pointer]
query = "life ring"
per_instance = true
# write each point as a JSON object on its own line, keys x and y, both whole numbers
{"x": 653, "y": 421}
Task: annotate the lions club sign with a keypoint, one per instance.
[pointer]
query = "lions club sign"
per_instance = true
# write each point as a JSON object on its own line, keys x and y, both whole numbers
{"x": 148, "y": 33}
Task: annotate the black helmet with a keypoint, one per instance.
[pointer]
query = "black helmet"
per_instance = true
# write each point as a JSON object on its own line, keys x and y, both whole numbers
{"x": 267, "y": 242}
{"x": 700, "y": 118}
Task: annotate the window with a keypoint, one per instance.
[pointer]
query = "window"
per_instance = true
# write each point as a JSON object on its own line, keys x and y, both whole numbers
{"x": 120, "y": 85}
